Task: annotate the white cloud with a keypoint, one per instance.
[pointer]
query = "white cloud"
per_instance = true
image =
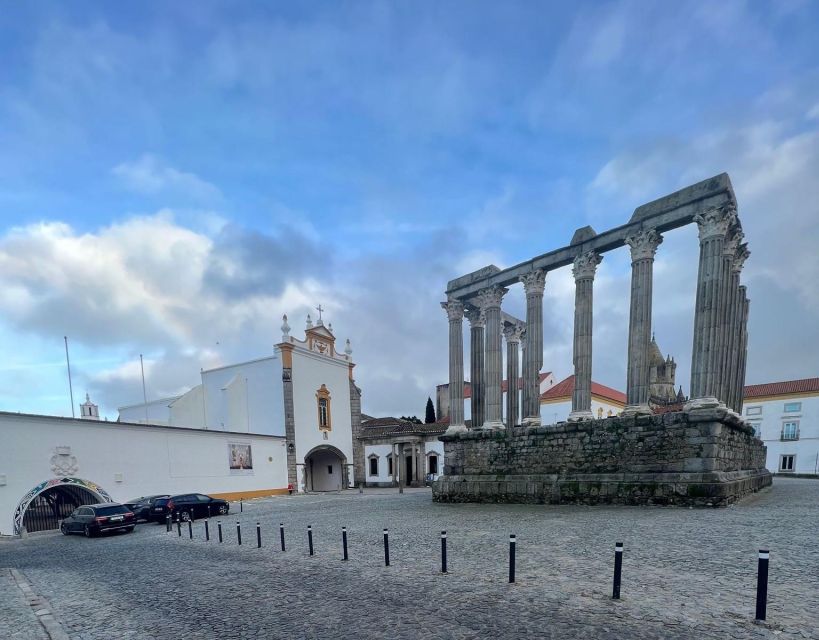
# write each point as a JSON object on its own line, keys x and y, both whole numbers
{"x": 151, "y": 175}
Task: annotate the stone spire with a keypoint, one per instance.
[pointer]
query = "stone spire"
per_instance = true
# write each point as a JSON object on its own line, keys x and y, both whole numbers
{"x": 285, "y": 329}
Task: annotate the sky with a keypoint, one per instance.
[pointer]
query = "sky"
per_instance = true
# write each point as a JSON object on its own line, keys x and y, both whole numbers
{"x": 175, "y": 177}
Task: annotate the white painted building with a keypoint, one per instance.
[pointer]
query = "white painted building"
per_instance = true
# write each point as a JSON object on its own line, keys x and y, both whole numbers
{"x": 556, "y": 402}
{"x": 289, "y": 420}
{"x": 397, "y": 452}
{"x": 786, "y": 418}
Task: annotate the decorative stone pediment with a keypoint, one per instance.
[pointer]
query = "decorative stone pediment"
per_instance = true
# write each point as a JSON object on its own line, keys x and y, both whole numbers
{"x": 63, "y": 463}
{"x": 321, "y": 340}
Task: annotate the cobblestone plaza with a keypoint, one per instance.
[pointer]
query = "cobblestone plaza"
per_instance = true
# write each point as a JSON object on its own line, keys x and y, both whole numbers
{"x": 687, "y": 573}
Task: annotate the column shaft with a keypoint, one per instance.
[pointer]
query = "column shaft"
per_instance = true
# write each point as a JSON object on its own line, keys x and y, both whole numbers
{"x": 477, "y": 365}
{"x": 512, "y": 335}
{"x": 739, "y": 384}
{"x": 455, "y": 313}
{"x": 643, "y": 247}
{"x": 714, "y": 225}
{"x": 490, "y": 303}
{"x": 584, "y": 269}
{"x": 533, "y": 284}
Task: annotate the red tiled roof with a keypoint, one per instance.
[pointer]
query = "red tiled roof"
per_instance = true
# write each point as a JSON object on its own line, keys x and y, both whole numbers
{"x": 806, "y": 385}
{"x": 565, "y": 388}
{"x": 504, "y": 384}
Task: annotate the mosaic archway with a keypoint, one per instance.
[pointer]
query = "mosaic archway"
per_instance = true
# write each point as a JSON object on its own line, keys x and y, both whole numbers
{"x": 20, "y": 511}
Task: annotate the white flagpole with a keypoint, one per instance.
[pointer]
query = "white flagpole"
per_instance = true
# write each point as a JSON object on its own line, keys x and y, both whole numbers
{"x": 68, "y": 366}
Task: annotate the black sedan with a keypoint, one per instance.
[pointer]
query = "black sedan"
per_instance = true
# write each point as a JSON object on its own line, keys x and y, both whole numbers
{"x": 93, "y": 519}
{"x": 142, "y": 506}
{"x": 188, "y": 505}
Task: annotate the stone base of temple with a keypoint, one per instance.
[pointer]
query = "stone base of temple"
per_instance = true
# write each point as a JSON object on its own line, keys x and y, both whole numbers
{"x": 706, "y": 457}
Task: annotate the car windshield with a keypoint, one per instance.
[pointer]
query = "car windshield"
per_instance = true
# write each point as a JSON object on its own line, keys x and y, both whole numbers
{"x": 109, "y": 511}
{"x": 161, "y": 501}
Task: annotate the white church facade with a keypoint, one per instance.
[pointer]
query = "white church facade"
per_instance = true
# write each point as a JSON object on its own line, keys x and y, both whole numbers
{"x": 288, "y": 421}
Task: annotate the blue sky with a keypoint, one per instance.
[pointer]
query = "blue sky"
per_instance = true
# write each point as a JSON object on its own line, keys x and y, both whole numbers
{"x": 177, "y": 176}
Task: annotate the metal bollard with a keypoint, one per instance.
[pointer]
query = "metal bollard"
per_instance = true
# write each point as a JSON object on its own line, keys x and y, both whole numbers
{"x": 310, "y": 538}
{"x": 190, "y": 529}
{"x": 241, "y": 506}
{"x": 618, "y": 566}
{"x": 208, "y": 511}
{"x": 168, "y": 523}
{"x": 443, "y": 551}
{"x": 193, "y": 514}
{"x": 219, "y": 527}
{"x": 762, "y": 584}
{"x": 512, "y": 543}
{"x": 258, "y": 536}
{"x": 207, "y": 531}
{"x": 386, "y": 548}
{"x": 344, "y": 541}
{"x": 239, "y": 532}
{"x": 281, "y": 534}
{"x": 179, "y": 528}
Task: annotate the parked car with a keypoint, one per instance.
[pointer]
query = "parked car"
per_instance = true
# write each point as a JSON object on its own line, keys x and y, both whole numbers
{"x": 187, "y": 505}
{"x": 143, "y": 505}
{"x": 93, "y": 519}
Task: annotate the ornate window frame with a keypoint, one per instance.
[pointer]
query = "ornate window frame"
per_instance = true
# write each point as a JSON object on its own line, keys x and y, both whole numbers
{"x": 323, "y": 409}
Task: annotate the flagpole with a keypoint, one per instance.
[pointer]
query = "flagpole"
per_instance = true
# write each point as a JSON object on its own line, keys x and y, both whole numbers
{"x": 144, "y": 395}
{"x": 68, "y": 366}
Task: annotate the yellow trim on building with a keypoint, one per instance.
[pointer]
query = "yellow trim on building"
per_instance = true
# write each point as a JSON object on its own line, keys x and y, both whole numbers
{"x": 232, "y": 496}
{"x": 784, "y": 396}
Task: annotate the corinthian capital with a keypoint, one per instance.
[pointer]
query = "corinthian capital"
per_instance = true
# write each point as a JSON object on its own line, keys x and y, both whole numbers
{"x": 585, "y": 265}
{"x": 534, "y": 282}
{"x": 513, "y": 333}
{"x": 475, "y": 317}
{"x": 454, "y": 309}
{"x": 491, "y": 297}
{"x": 740, "y": 257}
{"x": 716, "y": 222}
{"x": 644, "y": 244}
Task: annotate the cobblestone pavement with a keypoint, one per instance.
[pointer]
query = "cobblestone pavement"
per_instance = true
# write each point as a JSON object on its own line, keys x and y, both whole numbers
{"x": 686, "y": 573}
{"x": 17, "y": 619}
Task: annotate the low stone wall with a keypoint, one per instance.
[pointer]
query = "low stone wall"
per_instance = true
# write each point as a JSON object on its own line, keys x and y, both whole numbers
{"x": 704, "y": 457}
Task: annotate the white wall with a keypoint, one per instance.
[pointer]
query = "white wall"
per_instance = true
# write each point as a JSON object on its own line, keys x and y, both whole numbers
{"x": 189, "y": 409}
{"x": 149, "y": 459}
{"x": 310, "y": 371}
{"x": 382, "y": 451}
{"x": 768, "y": 417}
{"x": 159, "y": 412}
{"x": 552, "y": 412}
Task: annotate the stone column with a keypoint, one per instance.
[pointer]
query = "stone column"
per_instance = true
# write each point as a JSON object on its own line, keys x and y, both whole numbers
{"x": 490, "y": 303}
{"x": 714, "y": 226}
{"x": 731, "y": 357}
{"x": 533, "y": 284}
{"x": 476, "y": 365}
{"x": 724, "y": 379}
{"x": 394, "y": 466}
{"x": 643, "y": 245}
{"x": 739, "y": 385}
{"x": 585, "y": 266}
{"x": 512, "y": 334}
{"x": 455, "y": 312}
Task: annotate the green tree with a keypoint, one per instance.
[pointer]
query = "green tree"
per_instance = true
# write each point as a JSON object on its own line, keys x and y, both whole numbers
{"x": 430, "y": 417}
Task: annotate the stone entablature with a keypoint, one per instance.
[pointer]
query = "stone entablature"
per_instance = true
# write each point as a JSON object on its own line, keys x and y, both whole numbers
{"x": 703, "y": 457}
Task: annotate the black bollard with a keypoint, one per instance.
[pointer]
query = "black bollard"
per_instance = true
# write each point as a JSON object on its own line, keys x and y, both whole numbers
{"x": 281, "y": 534}
{"x": 386, "y": 548}
{"x": 219, "y": 527}
{"x": 258, "y": 536}
{"x": 239, "y": 532}
{"x": 190, "y": 529}
{"x": 310, "y": 538}
{"x": 179, "y": 528}
{"x": 762, "y": 584}
{"x": 208, "y": 511}
{"x": 512, "y": 543}
{"x": 618, "y": 566}
{"x": 443, "y": 551}
{"x": 344, "y": 541}
{"x": 241, "y": 506}
{"x": 207, "y": 531}
{"x": 193, "y": 514}
{"x": 168, "y": 525}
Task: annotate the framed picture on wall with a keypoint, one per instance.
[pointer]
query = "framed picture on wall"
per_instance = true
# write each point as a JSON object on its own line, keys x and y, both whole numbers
{"x": 240, "y": 458}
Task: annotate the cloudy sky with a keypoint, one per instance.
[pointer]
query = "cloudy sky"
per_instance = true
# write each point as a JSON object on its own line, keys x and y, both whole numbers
{"x": 175, "y": 177}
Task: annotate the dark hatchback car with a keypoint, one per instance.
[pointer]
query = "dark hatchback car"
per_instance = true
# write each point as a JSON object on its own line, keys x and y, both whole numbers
{"x": 93, "y": 519}
{"x": 142, "y": 506}
{"x": 187, "y": 505}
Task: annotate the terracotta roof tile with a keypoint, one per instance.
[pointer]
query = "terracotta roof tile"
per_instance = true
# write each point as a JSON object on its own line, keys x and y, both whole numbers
{"x": 805, "y": 385}
{"x": 565, "y": 388}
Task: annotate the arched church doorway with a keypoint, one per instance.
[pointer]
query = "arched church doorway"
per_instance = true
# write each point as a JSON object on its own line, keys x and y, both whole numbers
{"x": 325, "y": 467}
{"x": 42, "y": 508}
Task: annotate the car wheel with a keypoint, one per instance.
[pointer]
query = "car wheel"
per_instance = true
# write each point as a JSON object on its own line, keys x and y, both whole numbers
{"x": 63, "y": 529}
{"x": 185, "y": 516}
{"x": 223, "y": 509}
{"x": 129, "y": 529}
{"x": 87, "y": 531}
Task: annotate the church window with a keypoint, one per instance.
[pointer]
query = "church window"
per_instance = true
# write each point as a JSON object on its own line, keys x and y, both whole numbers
{"x": 330, "y": 469}
{"x": 389, "y": 465}
{"x": 323, "y": 405}
{"x": 599, "y": 412}
{"x": 373, "y": 466}
{"x": 433, "y": 465}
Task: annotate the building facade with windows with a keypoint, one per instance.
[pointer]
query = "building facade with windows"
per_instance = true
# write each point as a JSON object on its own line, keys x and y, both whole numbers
{"x": 785, "y": 416}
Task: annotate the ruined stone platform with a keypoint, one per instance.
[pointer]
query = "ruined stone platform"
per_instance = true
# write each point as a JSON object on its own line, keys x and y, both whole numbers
{"x": 703, "y": 457}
